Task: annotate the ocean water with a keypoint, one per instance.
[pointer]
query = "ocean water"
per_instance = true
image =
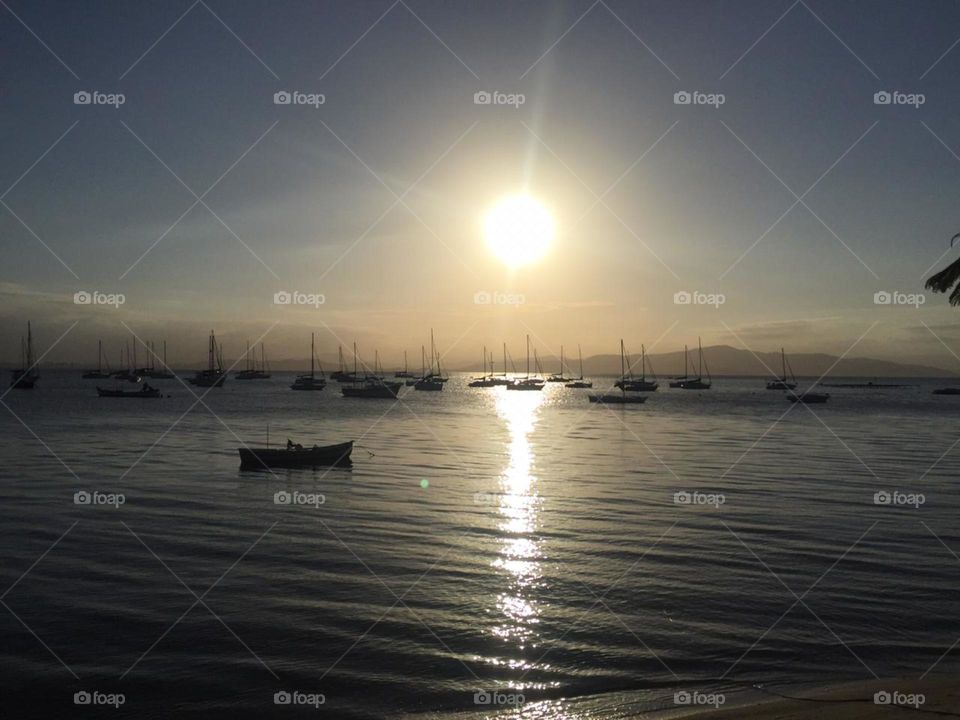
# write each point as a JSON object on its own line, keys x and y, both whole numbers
{"x": 489, "y": 552}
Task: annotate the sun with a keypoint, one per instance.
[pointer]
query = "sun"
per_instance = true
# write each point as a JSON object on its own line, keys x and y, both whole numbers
{"x": 518, "y": 230}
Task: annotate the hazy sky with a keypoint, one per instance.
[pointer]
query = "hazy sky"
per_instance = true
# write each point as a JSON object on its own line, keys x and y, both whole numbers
{"x": 375, "y": 198}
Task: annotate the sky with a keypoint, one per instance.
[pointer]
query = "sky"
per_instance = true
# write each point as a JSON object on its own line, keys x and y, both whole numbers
{"x": 782, "y": 199}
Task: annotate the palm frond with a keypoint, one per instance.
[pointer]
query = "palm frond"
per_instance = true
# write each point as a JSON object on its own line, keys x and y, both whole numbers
{"x": 947, "y": 278}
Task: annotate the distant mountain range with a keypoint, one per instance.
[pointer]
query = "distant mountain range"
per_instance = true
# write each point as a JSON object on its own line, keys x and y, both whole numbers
{"x": 721, "y": 360}
{"x": 726, "y": 360}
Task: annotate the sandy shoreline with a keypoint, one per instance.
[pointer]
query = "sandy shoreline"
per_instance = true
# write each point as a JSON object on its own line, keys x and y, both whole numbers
{"x": 937, "y": 695}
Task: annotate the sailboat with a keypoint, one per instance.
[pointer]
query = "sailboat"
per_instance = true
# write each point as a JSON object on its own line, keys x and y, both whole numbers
{"x": 580, "y": 382}
{"x": 485, "y": 380}
{"x": 405, "y": 373}
{"x": 25, "y": 377}
{"x": 528, "y": 382}
{"x": 641, "y": 384}
{"x": 250, "y": 371}
{"x": 311, "y": 381}
{"x": 370, "y": 386}
{"x": 164, "y": 373}
{"x": 693, "y": 383}
{"x": 341, "y": 374}
{"x": 98, "y": 374}
{"x": 432, "y": 381}
{"x": 214, "y": 375}
{"x": 126, "y": 371}
{"x": 621, "y": 398}
{"x": 559, "y": 377}
{"x": 781, "y": 383}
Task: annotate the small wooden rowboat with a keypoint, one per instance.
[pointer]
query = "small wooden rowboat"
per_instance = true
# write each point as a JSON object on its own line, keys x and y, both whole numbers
{"x": 296, "y": 456}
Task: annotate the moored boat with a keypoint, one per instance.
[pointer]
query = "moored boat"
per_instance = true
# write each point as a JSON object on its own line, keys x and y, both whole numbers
{"x": 623, "y": 397}
{"x": 685, "y": 382}
{"x": 808, "y": 398}
{"x": 781, "y": 382}
{"x": 26, "y": 376}
{"x": 294, "y": 456}
{"x": 580, "y": 382}
{"x": 529, "y": 382}
{"x": 99, "y": 373}
{"x": 311, "y": 381}
{"x": 214, "y": 375}
{"x": 947, "y": 391}
{"x": 146, "y": 391}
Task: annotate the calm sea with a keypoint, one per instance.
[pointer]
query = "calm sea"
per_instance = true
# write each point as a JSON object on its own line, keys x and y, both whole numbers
{"x": 487, "y": 548}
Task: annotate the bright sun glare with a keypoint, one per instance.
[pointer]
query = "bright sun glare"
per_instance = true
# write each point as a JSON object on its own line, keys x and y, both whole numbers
{"x": 518, "y": 230}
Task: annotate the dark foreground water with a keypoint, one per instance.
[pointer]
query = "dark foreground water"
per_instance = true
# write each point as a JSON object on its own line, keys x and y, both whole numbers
{"x": 485, "y": 542}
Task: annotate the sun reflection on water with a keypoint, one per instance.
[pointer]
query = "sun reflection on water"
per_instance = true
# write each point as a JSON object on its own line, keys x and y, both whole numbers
{"x": 519, "y": 506}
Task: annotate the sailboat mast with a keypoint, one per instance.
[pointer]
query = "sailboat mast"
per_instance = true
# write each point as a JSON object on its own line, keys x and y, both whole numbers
{"x": 311, "y": 356}
{"x": 100, "y": 356}
{"x": 528, "y": 356}
{"x": 580, "y": 357}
